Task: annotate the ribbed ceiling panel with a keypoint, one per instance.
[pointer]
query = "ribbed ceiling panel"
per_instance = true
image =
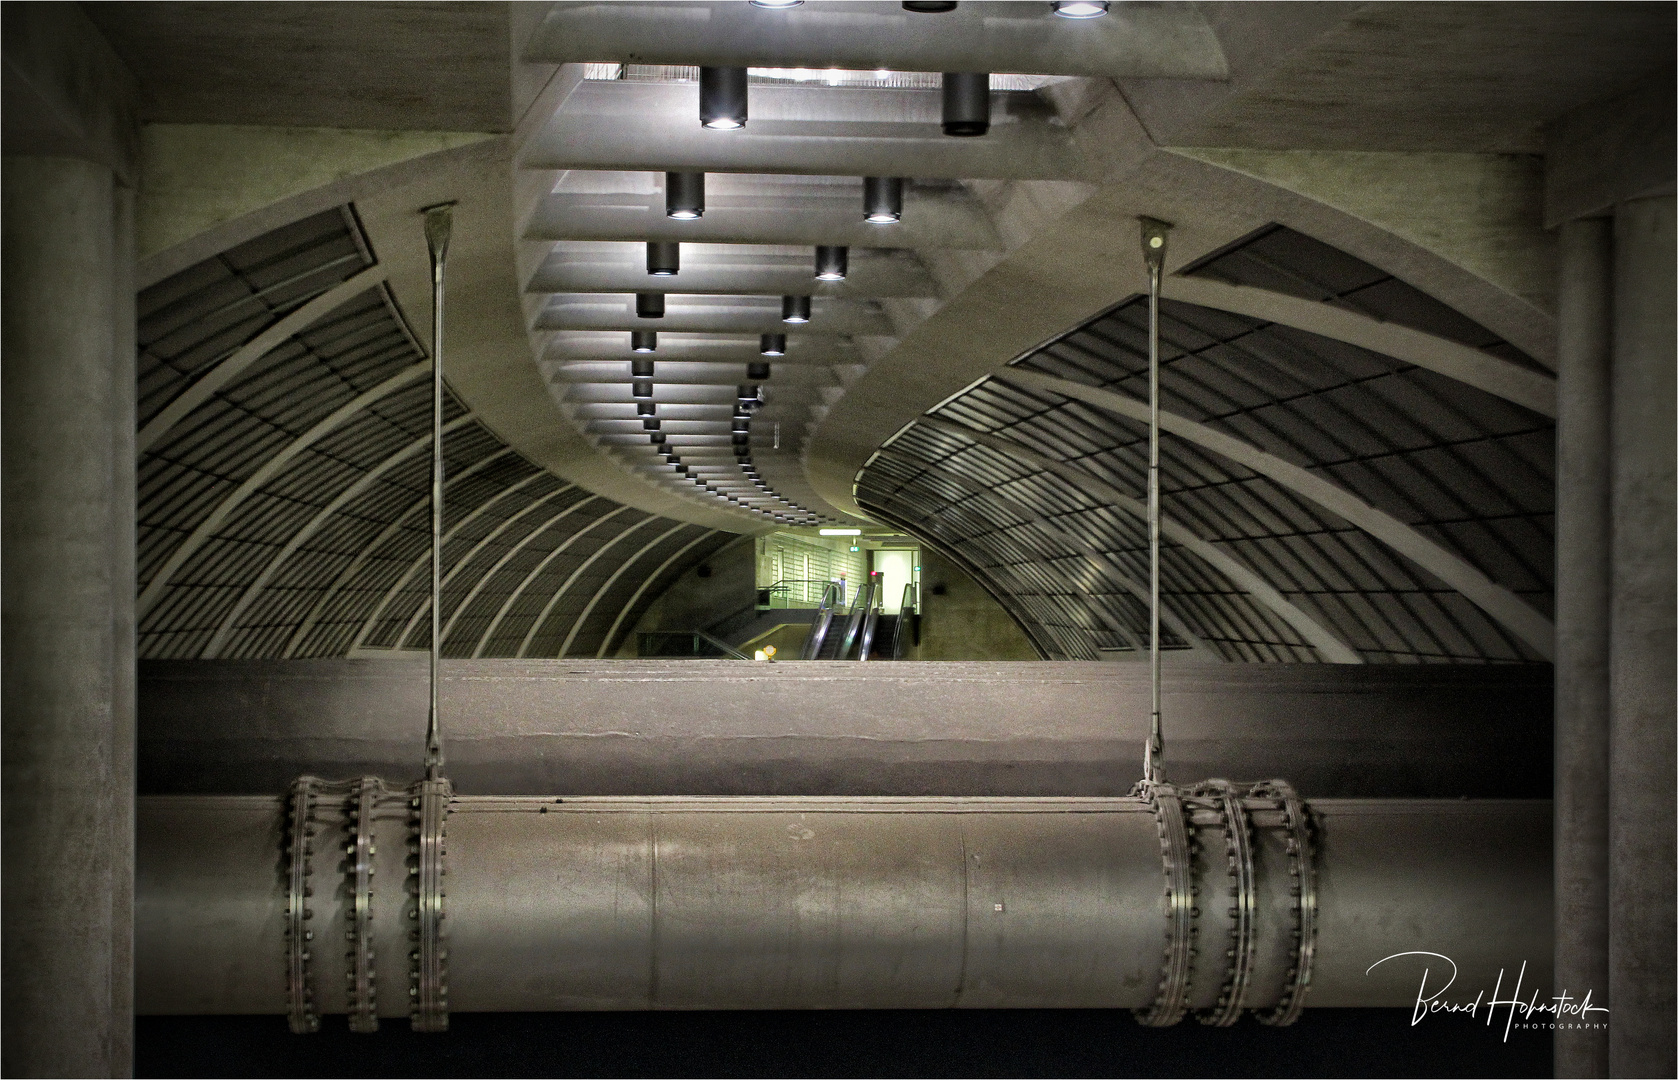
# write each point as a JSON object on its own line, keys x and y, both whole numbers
{"x": 287, "y": 512}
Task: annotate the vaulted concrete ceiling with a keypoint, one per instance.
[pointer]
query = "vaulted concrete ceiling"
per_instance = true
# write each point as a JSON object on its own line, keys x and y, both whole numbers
{"x": 1360, "y": 176}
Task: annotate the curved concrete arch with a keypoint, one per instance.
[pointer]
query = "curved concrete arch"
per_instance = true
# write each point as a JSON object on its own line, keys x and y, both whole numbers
{"x": 217, "y": 517}
{"x": 565, "y": 587}
{"x": 421, "y": 560}
{"x": 213, "y": 649}
{"x": 483, "y": 542}
{"x": 1523, "y": 386}
{"x": 235, "y": 363}
{"x": 488, "y": 575}
{"x": 1327, "y": 643}
{"x": 1502, "y": 605}
{"x": 367, "y": 550}
{"x": 646, "y": 584}
{"x": 588, "y": 609}
{"x": 512, "y": 597}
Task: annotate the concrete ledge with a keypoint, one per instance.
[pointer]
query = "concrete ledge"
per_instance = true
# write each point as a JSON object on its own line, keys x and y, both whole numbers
{"x": 727, "y": 727}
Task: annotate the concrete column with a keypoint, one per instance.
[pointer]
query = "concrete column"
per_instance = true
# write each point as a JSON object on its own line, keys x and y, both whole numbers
{"x": 66, "y": 594}
{"x": 1582, "y": 584}
{"x": 1643, "y": 673}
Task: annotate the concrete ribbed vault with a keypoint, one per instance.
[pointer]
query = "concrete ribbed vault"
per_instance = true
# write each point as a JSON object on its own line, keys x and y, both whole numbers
{"x": 283, "y": 491}
{"x": 1397, "y": 514}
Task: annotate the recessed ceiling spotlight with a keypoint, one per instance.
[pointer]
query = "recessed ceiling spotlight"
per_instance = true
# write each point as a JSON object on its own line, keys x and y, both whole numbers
{"x": 664, "y": 258}
{"x": 882, "y": 199}
{"x": 722, "y": 97}
{"x": 795, "y": 309}
{"x": 966, "y": 103}
{"x": 772, "y": 345}
{"x": 1079, "y": 9}
{"x": 684, "y": 195}
{"x": 643, "y": 341}
{"x": 832, "y": 262}
{"x": 649, "y": 305}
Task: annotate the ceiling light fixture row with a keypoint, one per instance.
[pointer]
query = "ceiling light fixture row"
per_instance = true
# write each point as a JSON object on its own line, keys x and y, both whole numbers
{"x": 882, "y": 197}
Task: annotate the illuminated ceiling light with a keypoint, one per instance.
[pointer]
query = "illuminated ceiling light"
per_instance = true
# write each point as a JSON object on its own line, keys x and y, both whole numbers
{"x": 1079, "y": 9}
{"x": 664, "y": 258}
{"x": 838, "y": 532}
{"x": 795, "y": 309}
{"x": 722, "y": 97}
{"x": 742, "y": 423}
{"x": 641, "y": 369}
{"x": 649, "y": 305}
{"x": 772, "y": 344}
{"x": 966, "y": 103}
{"x": 929, "y": 7}
{"x": 776, "y": 5}
{"x": 643, "y": 341}
{"x": 758, "y": 371}
{"x": 832, "y": 262}
{"x": 882, "y": 199}
{"x": 684, "y": 195}
{"x": 646, "y": 408}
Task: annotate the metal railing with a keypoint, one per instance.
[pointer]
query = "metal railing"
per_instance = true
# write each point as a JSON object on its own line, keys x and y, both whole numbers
{"x": 832, "y": 597}
{"x": 797, "y": 592}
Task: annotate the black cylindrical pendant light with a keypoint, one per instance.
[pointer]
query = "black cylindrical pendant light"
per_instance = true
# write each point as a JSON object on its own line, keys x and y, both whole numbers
{"x": 649, "y": 305}
{"x": 643, "y": 341}
{"x": 656, "y": 438}
{"x": 795, "y": 309}
{"x": 772, "y": 345}
{"x": 646, "y": 408}
{"x": 641, "y": 387}
{"x": 882, "y": 199}
{"x": 664, "y": 257}
{"x": 742, "y": 423}
{"x": 758, "y": 371}
{"x": 651, "y": 423}
{"x": 929, "y": 7}
{"x": 641, "y": 369}
{"x": 832, "y": 263}
{"x": 722, "y": 97}
{"x": 684, "y": 195}
{"x": 966, "y": 103}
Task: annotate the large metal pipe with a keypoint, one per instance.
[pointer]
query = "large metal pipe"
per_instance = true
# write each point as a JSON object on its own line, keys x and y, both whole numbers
{"x": 810, "y": 902}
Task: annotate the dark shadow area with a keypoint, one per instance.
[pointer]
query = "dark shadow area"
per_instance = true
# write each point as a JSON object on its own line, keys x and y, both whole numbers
{"x": 938, "y": 1043}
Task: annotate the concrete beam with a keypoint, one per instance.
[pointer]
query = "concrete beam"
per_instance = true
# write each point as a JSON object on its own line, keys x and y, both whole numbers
{"x": 653, "y": 127}
{"x": 1145, "y": 42}
{"x": 1610, "y": 151}
{"x": 738, "y": 728}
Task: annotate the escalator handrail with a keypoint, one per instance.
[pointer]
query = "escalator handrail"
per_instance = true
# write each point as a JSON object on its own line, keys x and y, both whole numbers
{"x": 864, "y": 599}
{"x": 820, "y": 624}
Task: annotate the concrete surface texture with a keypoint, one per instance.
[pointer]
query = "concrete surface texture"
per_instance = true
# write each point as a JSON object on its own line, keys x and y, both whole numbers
{"x": 738, "y": 727}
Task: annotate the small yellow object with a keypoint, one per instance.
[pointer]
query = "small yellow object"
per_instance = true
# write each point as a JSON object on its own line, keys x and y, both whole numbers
{"x": 769, "y": 651}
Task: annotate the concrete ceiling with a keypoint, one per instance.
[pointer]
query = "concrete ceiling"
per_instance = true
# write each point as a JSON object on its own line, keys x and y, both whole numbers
{"x": 394, "y": 66}
{"x": 1399, "y": 136}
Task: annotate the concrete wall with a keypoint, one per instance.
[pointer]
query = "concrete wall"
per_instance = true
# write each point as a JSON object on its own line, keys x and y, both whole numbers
{"x": 716, "y": 588}
{"x": 963, "y": 622}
